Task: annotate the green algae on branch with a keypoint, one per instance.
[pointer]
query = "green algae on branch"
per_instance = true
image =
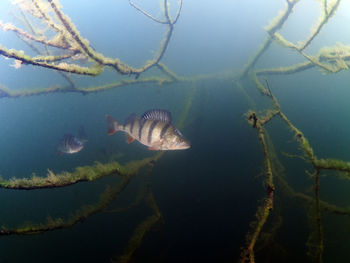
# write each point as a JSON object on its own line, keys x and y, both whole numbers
{"x": 81, "y": 174}
{"x": 330, "y": 60}
{"x": 136, "y": 239}
{"x": 141, "y": 230}
{"x": 110, "y": 194}
{"x": 286, "y": 70}
{"x": 275, "y": 25}
{"x": 68, "y": 37}
{"x": 259, "y": 86}
{"x": 133, "y": 167}
{"x": 57, "y": 41}
{"x": 304, "y": 143}
{"x": 333, "y": 164}
{"x": 168, "y": 72}
{"x": 125, "y": 82}
{"x": 119, "y": 66}
{"x": 264, "y": 210}
{"x": 40, "y": 61}
{"x": 327, "y": 14}
{"x": 325, "y": 206}
{"x": 80, "y": 215}
{"x": 7, "y": 93}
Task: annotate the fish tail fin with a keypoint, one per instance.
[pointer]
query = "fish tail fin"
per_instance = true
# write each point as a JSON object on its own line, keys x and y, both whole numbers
{"x": 112, "y": 125}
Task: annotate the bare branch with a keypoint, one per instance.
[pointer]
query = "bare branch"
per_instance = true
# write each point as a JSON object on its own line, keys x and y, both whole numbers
{"x": 146, "y": 14}
{"x": 178, "y": 13}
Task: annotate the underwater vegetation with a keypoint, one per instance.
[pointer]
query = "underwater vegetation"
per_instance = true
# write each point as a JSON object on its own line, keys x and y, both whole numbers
{"x": 57, "y": 30}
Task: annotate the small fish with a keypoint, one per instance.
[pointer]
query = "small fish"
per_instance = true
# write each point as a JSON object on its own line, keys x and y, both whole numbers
{"x": 70, "y": 144}
{"x": 154, "y": 129}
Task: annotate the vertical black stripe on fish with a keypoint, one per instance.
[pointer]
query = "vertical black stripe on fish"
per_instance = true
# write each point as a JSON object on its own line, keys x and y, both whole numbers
{"x": 164, "y": 129}
{"x": 141, "y": 124}
{"x": 126, "y": 127}
{"x": 136, "y": 128}
{"x": 132, "y": 126}
{"x": 69, "y": 141}
{"x": 150, "y": 131}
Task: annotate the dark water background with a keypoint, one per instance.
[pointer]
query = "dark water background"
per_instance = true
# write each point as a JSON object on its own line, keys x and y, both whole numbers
{"x": 207, "y": 194}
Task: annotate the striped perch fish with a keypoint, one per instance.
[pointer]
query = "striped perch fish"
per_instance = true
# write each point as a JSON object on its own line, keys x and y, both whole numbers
{"x": 154, "y": 129}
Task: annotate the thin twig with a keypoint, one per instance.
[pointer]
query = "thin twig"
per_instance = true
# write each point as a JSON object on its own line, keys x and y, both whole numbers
{"x": 146, "y": 14}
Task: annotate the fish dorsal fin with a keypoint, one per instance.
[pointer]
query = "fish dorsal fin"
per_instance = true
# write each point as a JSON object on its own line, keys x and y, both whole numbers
{"x": 130, "y": 118}
{"x": 159, "y": 115}
{"x": 68, "y": 136}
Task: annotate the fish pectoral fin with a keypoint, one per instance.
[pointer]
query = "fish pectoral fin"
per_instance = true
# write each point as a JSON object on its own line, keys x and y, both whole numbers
{"x": 153, "y": 148}
{"x": 156, "y": 146}
{"x": 129, "y": 139}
